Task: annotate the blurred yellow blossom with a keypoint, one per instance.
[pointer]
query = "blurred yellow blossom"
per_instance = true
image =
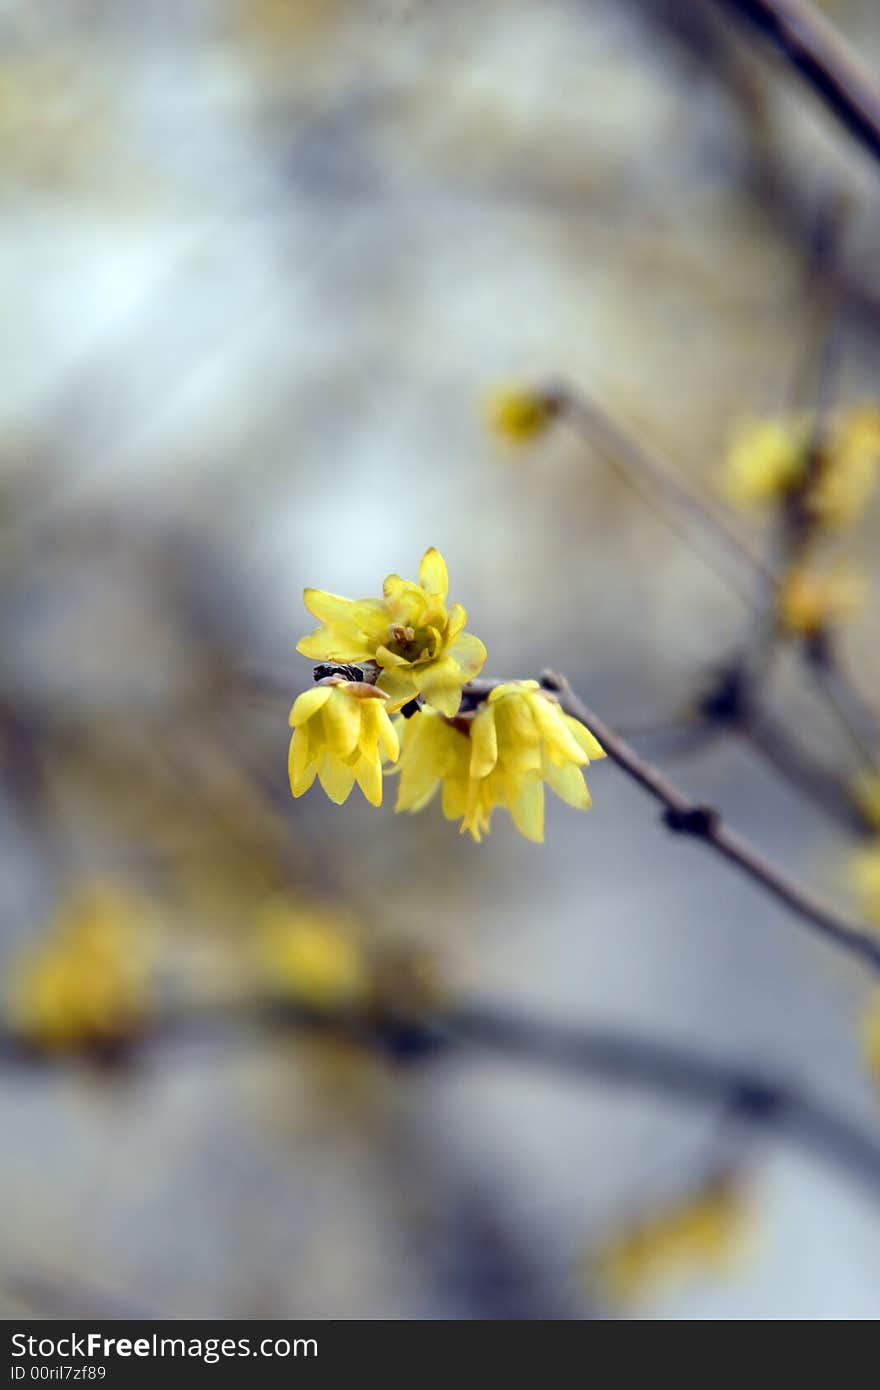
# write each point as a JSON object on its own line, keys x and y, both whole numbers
{"x": 418, "y": 642}
{"x": 501, "y": 756}
{"x": 313, "y": 955}
{"x": 87, "y": 982}
{"x": 810, "y": 602}
{"x": 847, "y": 480}
{"x": 865, "y": 878}
{"x": 769, "y": 460}
{"x": 766, "y": 460}
{"x": 340, "y": 731}
{"x": 703, "y": 1233}
{"x": 519, "y": 415}
{"x": 866, "y": 791}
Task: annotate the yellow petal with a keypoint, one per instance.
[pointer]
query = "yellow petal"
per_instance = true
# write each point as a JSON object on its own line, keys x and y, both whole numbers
{"x": 342, "y": 723}
{"x": 308, "y": 703}
{"x": 439, "y": 683}
{"x": 433, "y": 576}
{"x": 331, "y": 644}
{"x": 425, "y": 758}
{"x": 455, "y": 797}
{"x": 559, "y": 739}
{"x": 335, "y": 777}
{"x": 327, "y": 608}
{"x": 388, "y": 658}
{"x": 398, "y": 685}
{"x": 455, "y": 621}
{"x": 387, "y": 734}
{"x": 591, "y": 745}
{"x": 484, "y": 743}
{"x": 527, "y": 808}
{"x": 300, "y": 769}
{"x": 568, "y": 783}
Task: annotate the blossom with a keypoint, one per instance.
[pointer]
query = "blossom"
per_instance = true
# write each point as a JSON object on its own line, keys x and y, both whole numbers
{"x": 865, "y": 878}
{"x": 87, "y": 982}
{"x": 519, "y": 415}
{"x": 845, "y": 484}
{"x": 418, "y": 642}
{"x": 809, "y": 602}
{"x": 833, "y": 472}
{"x": 340, "y": 730}
{"x": 701, "y": 1231}
{"x": 313, "y": 955}
{"x": 766, "y": 460}
{"x": 501, "y": 756}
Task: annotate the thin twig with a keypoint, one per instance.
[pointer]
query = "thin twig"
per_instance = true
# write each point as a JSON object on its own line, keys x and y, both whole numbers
{"x": 686, "y": 816}
{"x": 811, "y": 46}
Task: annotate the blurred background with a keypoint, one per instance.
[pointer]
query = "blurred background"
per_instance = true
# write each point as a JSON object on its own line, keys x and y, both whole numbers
{"x": 261, "y": 260}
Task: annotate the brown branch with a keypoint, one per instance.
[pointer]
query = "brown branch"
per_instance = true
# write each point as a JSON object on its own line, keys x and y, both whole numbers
{"x": 688, "y": 817}
{"x": 811, "y": 46}
{"x": 744, "y": 1092}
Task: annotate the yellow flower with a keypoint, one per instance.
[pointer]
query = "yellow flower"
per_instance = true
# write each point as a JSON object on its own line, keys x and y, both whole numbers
{"x": 766, "y": 460}
{"x": 500, "y": 757}
{"x": 519, "y": 415}
{"x": 808, "y": 603}
{"x": 339, "y": 728}
{"x": 702, "y": 1232}
{"x": 419, "y": 644}
{"x": 88, "y": 981}
{"x": 313, "y": 955}
{"x": 865, "y": 878}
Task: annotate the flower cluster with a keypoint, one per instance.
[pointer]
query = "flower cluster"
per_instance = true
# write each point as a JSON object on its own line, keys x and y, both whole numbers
{"x": 501, "y": 756}
{"x": 408, "y": 652}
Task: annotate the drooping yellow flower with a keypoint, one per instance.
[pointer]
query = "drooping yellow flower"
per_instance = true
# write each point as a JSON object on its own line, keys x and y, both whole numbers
{"x": 500, "y": 757}
{"x": 810, "y": 602}
{"x": 518, "y": 415}
{"x": 701, "y": 1233}
{"x": 88, "y": 981}
{"x": 313, "y": 955}
{"x": 340, "y": 731}
{"x": 417, "y": 641}
{"x": 865, "y": 878}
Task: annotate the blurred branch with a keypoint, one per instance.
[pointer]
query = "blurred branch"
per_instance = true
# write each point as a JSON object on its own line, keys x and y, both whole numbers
{"x": 688, "y": 817}
{"x": 760, "y": 1100}
{"x": 810, "y": 45}
{"x": 639, "y": 464}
